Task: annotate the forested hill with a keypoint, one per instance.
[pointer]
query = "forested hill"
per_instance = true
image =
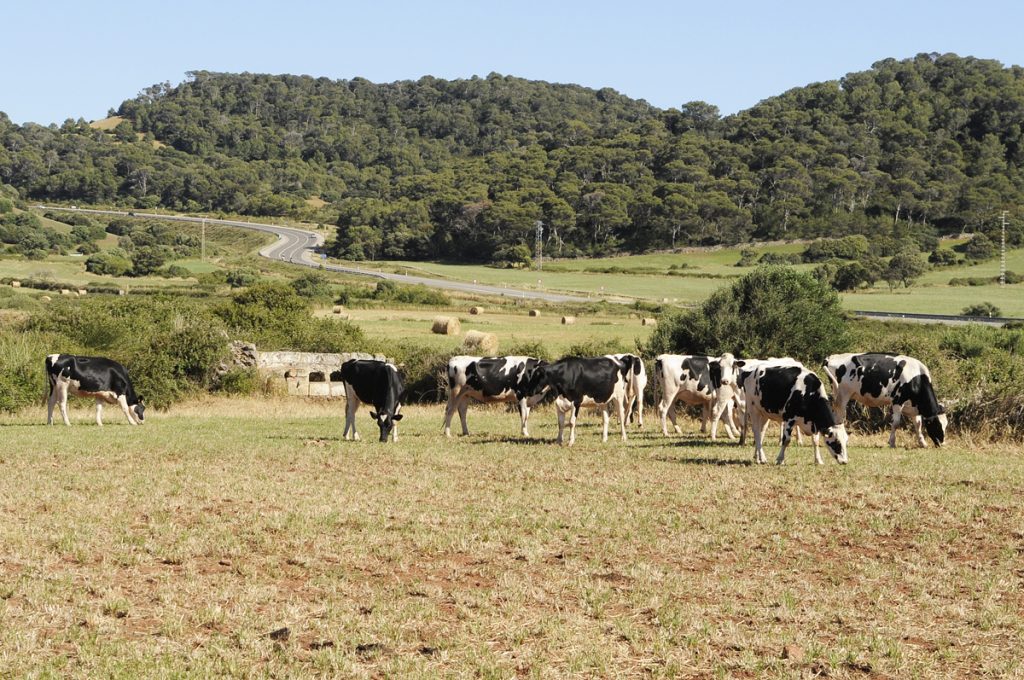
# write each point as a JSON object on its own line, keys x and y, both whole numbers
{"x": 463, "y": 169}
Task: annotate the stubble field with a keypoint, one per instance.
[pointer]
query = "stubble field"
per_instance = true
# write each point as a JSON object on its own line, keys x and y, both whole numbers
{"x": 244, "y": 538}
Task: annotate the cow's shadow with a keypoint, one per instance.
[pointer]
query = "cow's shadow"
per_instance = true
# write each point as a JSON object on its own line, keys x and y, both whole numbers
{"x": 509, "y": 439}
{"x": 701, "y": 460}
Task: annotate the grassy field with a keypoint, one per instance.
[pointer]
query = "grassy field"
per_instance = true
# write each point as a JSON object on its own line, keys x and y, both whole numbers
{"x": 700, "y": 272}
{"x": 244, "y": 538}
{"x": 513, "y": 327}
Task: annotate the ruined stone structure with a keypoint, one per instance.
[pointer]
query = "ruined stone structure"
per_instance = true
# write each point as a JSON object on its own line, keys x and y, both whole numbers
{"x": 304, "y": 374}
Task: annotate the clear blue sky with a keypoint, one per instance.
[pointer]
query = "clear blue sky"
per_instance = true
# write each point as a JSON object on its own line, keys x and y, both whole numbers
{"x": 78, "y": 59}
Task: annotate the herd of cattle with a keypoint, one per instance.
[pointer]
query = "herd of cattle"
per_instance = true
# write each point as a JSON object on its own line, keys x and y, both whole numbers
{"x": 736, "y": 392}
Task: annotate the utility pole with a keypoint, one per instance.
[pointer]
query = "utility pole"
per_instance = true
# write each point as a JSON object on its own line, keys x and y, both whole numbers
{"x": 1002, "y": 253}
{"x": 539, "y": 248}
{"x": 202, "y": 246}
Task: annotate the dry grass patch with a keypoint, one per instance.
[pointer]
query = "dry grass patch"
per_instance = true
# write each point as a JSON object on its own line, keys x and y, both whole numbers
{"x": 181, "y": 546}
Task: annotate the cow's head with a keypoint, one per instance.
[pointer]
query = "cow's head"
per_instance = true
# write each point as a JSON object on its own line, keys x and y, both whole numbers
{"x": 836, "y": 440}
{"x": 729, "y": 367}
{"x": 936, "y": 425}
{"x": 139, "y": 409}
{"x": 386, "y": 422}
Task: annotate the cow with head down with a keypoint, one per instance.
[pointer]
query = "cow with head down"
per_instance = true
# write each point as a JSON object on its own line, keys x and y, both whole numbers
{"x": 879, "y": 379}
{"x": 377, "y": 383}
{"x": 787, "y": 392}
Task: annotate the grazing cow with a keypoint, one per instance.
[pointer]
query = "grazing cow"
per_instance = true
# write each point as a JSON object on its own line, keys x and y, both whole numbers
{"x": 635, "y": 385}
{"x": 877, "y": 379}
{"x": 696, "y": 381}
{"x": 796, "y": 397}
{"x": 488, "y": 380}
{"x": 378, "y": 384}
{"x": 744, "y": 368}
{"x": 597, "y": 382}
{"x": 103, "y": 379}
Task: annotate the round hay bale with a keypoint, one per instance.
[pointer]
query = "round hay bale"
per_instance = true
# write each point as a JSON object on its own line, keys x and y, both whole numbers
{"x": 476, "y": 310}
{"x": 82, "y": 291}
{"x": 446, "y": 325}
{"x": 480, "y": 342}
{"x": 45, "y": 298}
{"x": 647, "y": 321}
{"x": 15, "y": 284}
{"x": 338, "y": 309}
{"x": 534, "y": 312}
{"x": 567, "y": 320}
{"x": 65, "y": 291}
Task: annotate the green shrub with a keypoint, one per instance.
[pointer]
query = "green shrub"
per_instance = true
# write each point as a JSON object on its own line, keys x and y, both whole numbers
{"x": 773, "y": 311}
{"x": 982, "y": 309}
{"x": 239, "y": 381}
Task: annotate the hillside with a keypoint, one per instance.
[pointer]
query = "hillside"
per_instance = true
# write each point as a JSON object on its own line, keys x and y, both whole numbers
{"x": 462, "y": 170}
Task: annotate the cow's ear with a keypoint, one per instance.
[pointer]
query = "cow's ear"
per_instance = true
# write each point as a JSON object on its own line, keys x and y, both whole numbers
{"x": 373, "y": 414}
{"x": 739, "y": 363}
{"x": 942, "y": 409}
{"x": 397, "y": 416}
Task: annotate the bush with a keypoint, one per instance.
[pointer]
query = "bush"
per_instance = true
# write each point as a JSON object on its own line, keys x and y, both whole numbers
{"x": 239, "y": 381}
{"x": 773, "y": 311}
{"x": 943, "y": 258}
{"x": 312, "y": 285}
{"x": 980, "y": 248}
{"x": 108, "y": 264}
{"x": 748, "y": 258}
{"x": 242, "y": 277}
{"x": 176, "y": 271}
{"x": 982, "y": 309}
{"x": 846, "y": 248}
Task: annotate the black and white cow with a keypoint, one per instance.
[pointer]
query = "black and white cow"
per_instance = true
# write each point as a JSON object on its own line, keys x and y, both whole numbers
{"x": 795, "y": 397}
{"x": 696, "y": 381}
{"x": 598, "y": 382}
{"x": 378, "y": 384}
{"x": 878, "y": 379}
{"x": 102, "y": 379}
{"x": 636, "y": 383}
{"x": 488, "y": 380}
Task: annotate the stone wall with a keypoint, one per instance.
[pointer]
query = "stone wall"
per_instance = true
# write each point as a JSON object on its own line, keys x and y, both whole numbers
{"x": 304, "y": 374}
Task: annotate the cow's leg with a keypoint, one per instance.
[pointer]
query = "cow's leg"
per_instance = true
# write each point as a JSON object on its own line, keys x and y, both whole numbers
{"x": 99, "y": 412}
{"x": 572, "y": 423}
{"x": 723, "y": 407}
{"x": 524, "y": 416}
{"x": 561, "y": 422}
{"x": 605, "y": 414}
{"x": 622, "y": 418}
{"x": 787, "y": 432}
{"x": 897, "y": 417}
{"x": 122, "y": 400}
{"x": 449, "y": 411}
{"x": 62, "y": 401}
{"x": 919, "y": 427}
{"x": 394, "y": 431}
{"x": 351, "y": 405}
{"x": 51, "y": 401}
{"x": 705, "y": 416}
{"x": 758, "y": 426}
{"x": 663, "y": 408}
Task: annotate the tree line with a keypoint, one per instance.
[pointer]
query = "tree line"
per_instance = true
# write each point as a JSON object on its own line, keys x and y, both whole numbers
{"x": 464, "y": 169}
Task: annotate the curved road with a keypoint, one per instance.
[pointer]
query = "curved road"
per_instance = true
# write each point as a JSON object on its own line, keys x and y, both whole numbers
{"x": 298, "y": 246}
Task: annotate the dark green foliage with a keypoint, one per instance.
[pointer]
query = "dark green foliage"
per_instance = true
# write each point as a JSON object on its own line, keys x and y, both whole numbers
{"x": 175, "y": 271}
{"x": 748, "y": 258}
{"x": 147, "y": 260}
{"x": 463, "y": 169}
{"x": 943, "y": 258}
{"x": 242, "y": 277}
{"x": 596, "y": 348}
{"x": 904, "y": 268}
{"x": 1011, "y": 278}
{"x": 846, "y": 248}
{"x": 389, "y": 291}
{"x": 108, "y": 263}
{"x": 982, "y": 309}
{"x": 773, "y": 311}
{"x": 980, "y": 247}
{"x": 313, "y": 285}
{"x": 780, "y": 258}
{"x": 239, "y": 381}
{"x": 275, "y": 317}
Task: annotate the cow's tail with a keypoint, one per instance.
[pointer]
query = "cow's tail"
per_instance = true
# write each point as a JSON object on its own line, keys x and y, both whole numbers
{"x": 49, "y": 376}
{"x": 833, "y": 381}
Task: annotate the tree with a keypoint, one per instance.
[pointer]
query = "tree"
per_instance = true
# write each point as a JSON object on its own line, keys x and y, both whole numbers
{"x": 773, "y": 311}
{"x": 147, "y": 260}
{"x": 904, "y": 268}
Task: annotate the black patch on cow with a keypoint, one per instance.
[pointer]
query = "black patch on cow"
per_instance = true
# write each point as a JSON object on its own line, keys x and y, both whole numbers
{"x": 775, "y": 386}
{"x": 577, "y": 378}
{"x": 696, "y": 369}
{"x": 877, "y": 372}
{"x": 376, "y": 383}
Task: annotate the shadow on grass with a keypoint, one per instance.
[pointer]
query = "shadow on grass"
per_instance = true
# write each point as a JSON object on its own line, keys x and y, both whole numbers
{"x": 702, "y": 460}
{"x": 511, "y": 439}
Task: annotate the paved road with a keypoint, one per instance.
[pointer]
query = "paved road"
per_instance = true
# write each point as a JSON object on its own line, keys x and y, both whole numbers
{"x": 298, "y": 246}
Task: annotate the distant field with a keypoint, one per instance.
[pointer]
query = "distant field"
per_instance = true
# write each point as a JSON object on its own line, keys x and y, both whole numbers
{"x": 230, "y": 538}
{"x": 691, "y": 285}
{"x": 511, "y": 327}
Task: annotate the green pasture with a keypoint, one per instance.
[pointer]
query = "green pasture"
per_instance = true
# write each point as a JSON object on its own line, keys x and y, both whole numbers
{"x": 245, "y": 538}
{"x": 512, "y": 327}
